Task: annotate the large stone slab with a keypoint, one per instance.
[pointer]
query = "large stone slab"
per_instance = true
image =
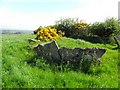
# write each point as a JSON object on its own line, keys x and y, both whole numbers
{"x": 48, "y": 50}
{"x": 52, "y": 52}
{"x": 76, "y": 54}
{"x": 73, "y": 55}
{"x": 93, "y": 54}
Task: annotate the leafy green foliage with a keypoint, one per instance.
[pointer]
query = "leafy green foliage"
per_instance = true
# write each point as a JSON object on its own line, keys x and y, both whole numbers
{"x": 72, "y": 27}
{"x": 102, "y": 32}
{"x": 104, "y": 29}
{"x": 79, "y": 29}
{"x": 65, "y": 25}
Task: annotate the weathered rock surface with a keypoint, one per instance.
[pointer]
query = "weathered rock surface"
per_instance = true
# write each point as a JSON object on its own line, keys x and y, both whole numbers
{"x": 48, "y": 51}
{"x": 31, "y": 40}
{"x": 51, "y": 51}
{"x": 73, "y": 55}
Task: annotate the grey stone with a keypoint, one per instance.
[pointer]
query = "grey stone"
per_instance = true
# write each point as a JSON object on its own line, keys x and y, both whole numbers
{"x": 73, "y": 55}
{"x": 52, "y": 52}
{"x": 88, "y": 58}
{"x": 97, "y": 53}
{"x": 31, "y": 40}
{"x": 48, "y": 50}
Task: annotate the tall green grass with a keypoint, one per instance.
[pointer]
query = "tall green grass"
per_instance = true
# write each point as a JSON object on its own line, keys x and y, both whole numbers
{"x": 0, "y": 61}
{"x": 17, "y": 73}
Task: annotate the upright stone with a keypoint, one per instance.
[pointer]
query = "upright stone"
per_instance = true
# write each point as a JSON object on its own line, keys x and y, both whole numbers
{"x": 48, "y": 50}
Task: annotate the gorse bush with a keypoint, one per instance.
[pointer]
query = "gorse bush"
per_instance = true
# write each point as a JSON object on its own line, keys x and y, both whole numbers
{"x": 48, "y": 33}
{"x": 72, "y": 27}
{"x": 79, "y": 29}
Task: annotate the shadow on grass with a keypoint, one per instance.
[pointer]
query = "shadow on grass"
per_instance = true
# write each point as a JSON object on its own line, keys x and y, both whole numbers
{"x": 116, "y": 48}
{"x": 95, "y": 39}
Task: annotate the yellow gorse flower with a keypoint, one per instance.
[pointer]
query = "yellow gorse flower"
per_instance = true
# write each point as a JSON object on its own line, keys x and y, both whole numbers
{"x": 48, "y": 34}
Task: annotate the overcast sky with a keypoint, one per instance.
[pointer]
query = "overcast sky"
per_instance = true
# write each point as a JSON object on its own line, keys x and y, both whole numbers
{"x": 30, "y": 14}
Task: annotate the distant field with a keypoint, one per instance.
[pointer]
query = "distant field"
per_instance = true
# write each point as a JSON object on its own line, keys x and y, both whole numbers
{"x": 17, "y": 73}
{"x": 16, "y": 31}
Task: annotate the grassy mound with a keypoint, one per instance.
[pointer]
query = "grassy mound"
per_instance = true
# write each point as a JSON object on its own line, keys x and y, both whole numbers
{"x": 17, "y": 73}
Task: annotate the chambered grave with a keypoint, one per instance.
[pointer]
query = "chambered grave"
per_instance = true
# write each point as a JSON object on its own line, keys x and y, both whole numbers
{"x": 53, "y": 53}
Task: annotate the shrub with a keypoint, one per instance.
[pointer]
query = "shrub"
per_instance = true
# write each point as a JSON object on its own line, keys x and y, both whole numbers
{"x": 72, "y": 27}
{"x": 104, "y": 29}
{"x": 65, "y": 25}
{"x": 79, "y": 29}
{"x": 47, "y": 33}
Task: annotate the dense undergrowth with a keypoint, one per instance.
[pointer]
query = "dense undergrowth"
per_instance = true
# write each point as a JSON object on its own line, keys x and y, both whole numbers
{"x": 18, "y": 73}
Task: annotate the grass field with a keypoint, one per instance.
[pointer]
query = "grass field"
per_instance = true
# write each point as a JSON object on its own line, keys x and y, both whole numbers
{"x": 17, "y": 73}
{"x": 0, "y": 61}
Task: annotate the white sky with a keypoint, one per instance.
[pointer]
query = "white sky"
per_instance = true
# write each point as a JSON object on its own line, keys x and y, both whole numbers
{"x": 30, "y": 14}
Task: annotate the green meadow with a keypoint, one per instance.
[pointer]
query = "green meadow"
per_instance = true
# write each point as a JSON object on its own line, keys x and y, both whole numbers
{"x": 18, "y": 73}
